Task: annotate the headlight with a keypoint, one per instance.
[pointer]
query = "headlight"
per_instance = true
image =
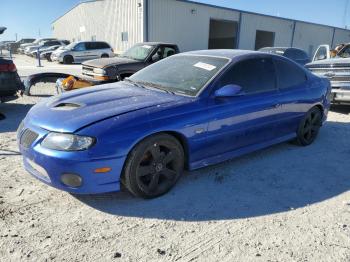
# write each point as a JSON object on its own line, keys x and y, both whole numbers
{"x": 67, "y": 142}
{"x": 99, "y": 71}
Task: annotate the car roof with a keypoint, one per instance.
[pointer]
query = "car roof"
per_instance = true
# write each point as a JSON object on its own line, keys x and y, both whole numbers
{"x": 282, "y": 48}
{"x": 225, "y": 53}
{"x": 156, "y": 43}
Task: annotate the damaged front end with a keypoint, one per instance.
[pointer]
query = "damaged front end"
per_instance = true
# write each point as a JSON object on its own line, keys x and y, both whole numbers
{"x": 64, "y": 82}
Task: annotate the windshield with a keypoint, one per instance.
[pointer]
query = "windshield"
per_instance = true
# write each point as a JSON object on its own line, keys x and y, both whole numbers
{"x": 138, "y": 52}
{"x": 182, "y": 74}
{"x": 69, "y": 47}
{"x": 345, "y": 52}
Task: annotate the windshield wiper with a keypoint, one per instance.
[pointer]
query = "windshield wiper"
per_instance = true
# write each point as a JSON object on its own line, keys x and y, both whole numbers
{"x": 134, "y": 83}
{"x": 158, "y": 87}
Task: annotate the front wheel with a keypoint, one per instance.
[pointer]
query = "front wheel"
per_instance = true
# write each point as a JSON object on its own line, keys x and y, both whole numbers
{"x": 309, "y": 127}
{"x": 154, "y": 166}
{"x": 68, "y": 60}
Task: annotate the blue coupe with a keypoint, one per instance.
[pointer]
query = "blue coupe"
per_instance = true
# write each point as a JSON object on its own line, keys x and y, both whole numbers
{"x": 185, "y": 112}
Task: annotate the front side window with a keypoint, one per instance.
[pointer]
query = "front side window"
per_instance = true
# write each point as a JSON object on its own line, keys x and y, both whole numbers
{"x": 321, "y": 54}
{"x": 169, "y": 51}
{"x": 184, "y": 74}
{"x": 253, "y": 75}
{"x": 80, "y": 47}
{"x": 345, "y": 52}
{"x": 289, "y": 75}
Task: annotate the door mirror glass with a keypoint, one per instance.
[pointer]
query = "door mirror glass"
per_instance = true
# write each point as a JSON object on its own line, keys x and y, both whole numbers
{"x": 155, "y": 58}
{"x": 229, "y": 91}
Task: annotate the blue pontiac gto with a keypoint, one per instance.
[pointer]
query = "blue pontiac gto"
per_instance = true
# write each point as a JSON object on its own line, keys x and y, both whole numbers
{"x": 188, "y": 111}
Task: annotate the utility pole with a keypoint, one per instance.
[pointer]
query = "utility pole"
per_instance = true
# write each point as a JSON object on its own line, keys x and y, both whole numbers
{"x": 346, "y": 13}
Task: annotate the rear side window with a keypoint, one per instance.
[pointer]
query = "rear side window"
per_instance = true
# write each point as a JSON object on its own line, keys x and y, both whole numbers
{"x": 289, "y": 75}
{"x": 98, "y": 45}
{"x": 253, "y": 75}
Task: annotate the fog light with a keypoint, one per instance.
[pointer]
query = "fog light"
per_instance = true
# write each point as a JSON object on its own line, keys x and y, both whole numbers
{"x": 71, "y": 180}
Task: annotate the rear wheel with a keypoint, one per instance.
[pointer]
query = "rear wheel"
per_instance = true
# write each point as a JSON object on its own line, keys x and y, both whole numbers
{"x": 154, "y": 166}
{"x": 68, "y": 59}
{"x": 309, "y": 127}
{"x": 105, "y": 56}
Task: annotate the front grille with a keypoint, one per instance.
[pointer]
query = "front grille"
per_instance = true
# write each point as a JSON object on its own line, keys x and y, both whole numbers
{"x": 88, "y": 69}
{"x": 333, "y": 74}
{"x": 28, "y": 137}
{"x": 329, "y": 66}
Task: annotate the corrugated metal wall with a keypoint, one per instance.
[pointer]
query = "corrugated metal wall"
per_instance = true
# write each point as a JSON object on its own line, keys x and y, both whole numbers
{"x": 341, "y": 36}
{"x": 183, "y": 23}
{"x": 310, "y": 36}
{"x": 104, "y": 20}
{"x": 283, "y": 30}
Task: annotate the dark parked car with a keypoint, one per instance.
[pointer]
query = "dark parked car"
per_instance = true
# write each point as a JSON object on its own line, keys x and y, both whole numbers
{"x": 14, "y": 46}
{"x": 10, "y": 83}
{"x": 188, "y": 111}
{"x": 128, "y": 63}
{"x": 295, "y": 54}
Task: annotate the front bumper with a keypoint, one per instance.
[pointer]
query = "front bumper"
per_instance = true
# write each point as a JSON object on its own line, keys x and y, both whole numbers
{"x": 55, "y": 58}
{"x": 48, "y": 166}
{"x": 340, "y": 92}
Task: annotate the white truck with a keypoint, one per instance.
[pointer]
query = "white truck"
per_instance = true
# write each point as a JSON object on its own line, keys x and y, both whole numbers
{"x": 336, "y": 69}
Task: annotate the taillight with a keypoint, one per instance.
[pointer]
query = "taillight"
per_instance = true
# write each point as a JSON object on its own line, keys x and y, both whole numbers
{"x": 8, "y": 68}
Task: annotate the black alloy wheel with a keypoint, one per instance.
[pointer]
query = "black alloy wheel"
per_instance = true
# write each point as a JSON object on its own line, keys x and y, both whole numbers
{"x": 154, "y": 166}
{"x": 310, "y": 127}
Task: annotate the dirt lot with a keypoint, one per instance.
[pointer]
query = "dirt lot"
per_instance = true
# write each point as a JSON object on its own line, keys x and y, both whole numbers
{"x": 286, "y": 203}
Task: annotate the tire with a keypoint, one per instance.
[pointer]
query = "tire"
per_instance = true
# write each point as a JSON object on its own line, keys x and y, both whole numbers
{"x": 309, "y": 127}
{"x": 154, "y": 166}
{"x": 68, "y": 59}
{"x": 105, "y": 56}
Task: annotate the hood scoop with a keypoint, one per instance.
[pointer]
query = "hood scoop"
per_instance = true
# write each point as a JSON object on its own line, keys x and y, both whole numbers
{"x": 67, "y": 106}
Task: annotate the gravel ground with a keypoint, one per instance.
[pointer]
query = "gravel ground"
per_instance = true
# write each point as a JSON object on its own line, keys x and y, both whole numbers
{"x": 286, "y": 203}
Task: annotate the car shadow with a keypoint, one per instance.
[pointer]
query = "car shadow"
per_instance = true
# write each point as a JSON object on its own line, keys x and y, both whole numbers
{"x": 341, "y": 109}
{"x": 14, "y": 113}
{"x": 279, "y": 179}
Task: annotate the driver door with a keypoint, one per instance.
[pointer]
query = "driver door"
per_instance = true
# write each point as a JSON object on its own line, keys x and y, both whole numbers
{"x": 249, "y": 119}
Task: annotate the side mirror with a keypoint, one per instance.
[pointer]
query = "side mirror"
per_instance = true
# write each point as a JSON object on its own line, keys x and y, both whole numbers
{"x": 229, "y": 91}
{"x": 155, "y": 58}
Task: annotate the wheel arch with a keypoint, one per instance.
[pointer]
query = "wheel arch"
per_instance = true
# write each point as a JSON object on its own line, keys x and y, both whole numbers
{"x": 320, "y": 107}
{"x": 177, "y": 135}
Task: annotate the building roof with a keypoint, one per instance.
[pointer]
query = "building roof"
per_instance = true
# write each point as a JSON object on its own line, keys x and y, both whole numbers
{"x": 220, "y": 7}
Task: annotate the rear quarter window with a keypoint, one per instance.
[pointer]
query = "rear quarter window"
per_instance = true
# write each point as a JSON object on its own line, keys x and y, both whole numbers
{"x": 289, "y": 75}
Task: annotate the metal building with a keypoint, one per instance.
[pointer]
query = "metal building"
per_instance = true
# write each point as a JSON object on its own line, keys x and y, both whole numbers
{"x": 191, "y": 25}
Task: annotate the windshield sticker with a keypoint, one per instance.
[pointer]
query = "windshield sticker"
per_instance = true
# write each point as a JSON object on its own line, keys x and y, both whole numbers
{"x": 205, "y": 66}
{"x": 147, "y": 46}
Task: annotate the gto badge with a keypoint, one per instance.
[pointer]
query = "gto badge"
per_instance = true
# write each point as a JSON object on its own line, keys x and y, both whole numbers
{"x": 329, "y": 74}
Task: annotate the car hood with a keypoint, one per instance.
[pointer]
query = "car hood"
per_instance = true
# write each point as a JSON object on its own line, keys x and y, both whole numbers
{"x": 105, "y": 62}
{"x": 74, "y": 110}
{"x": 331, "y": 61}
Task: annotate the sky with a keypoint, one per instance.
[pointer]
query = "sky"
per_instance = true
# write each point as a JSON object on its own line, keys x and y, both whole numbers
{"x": 32, "y": 18}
